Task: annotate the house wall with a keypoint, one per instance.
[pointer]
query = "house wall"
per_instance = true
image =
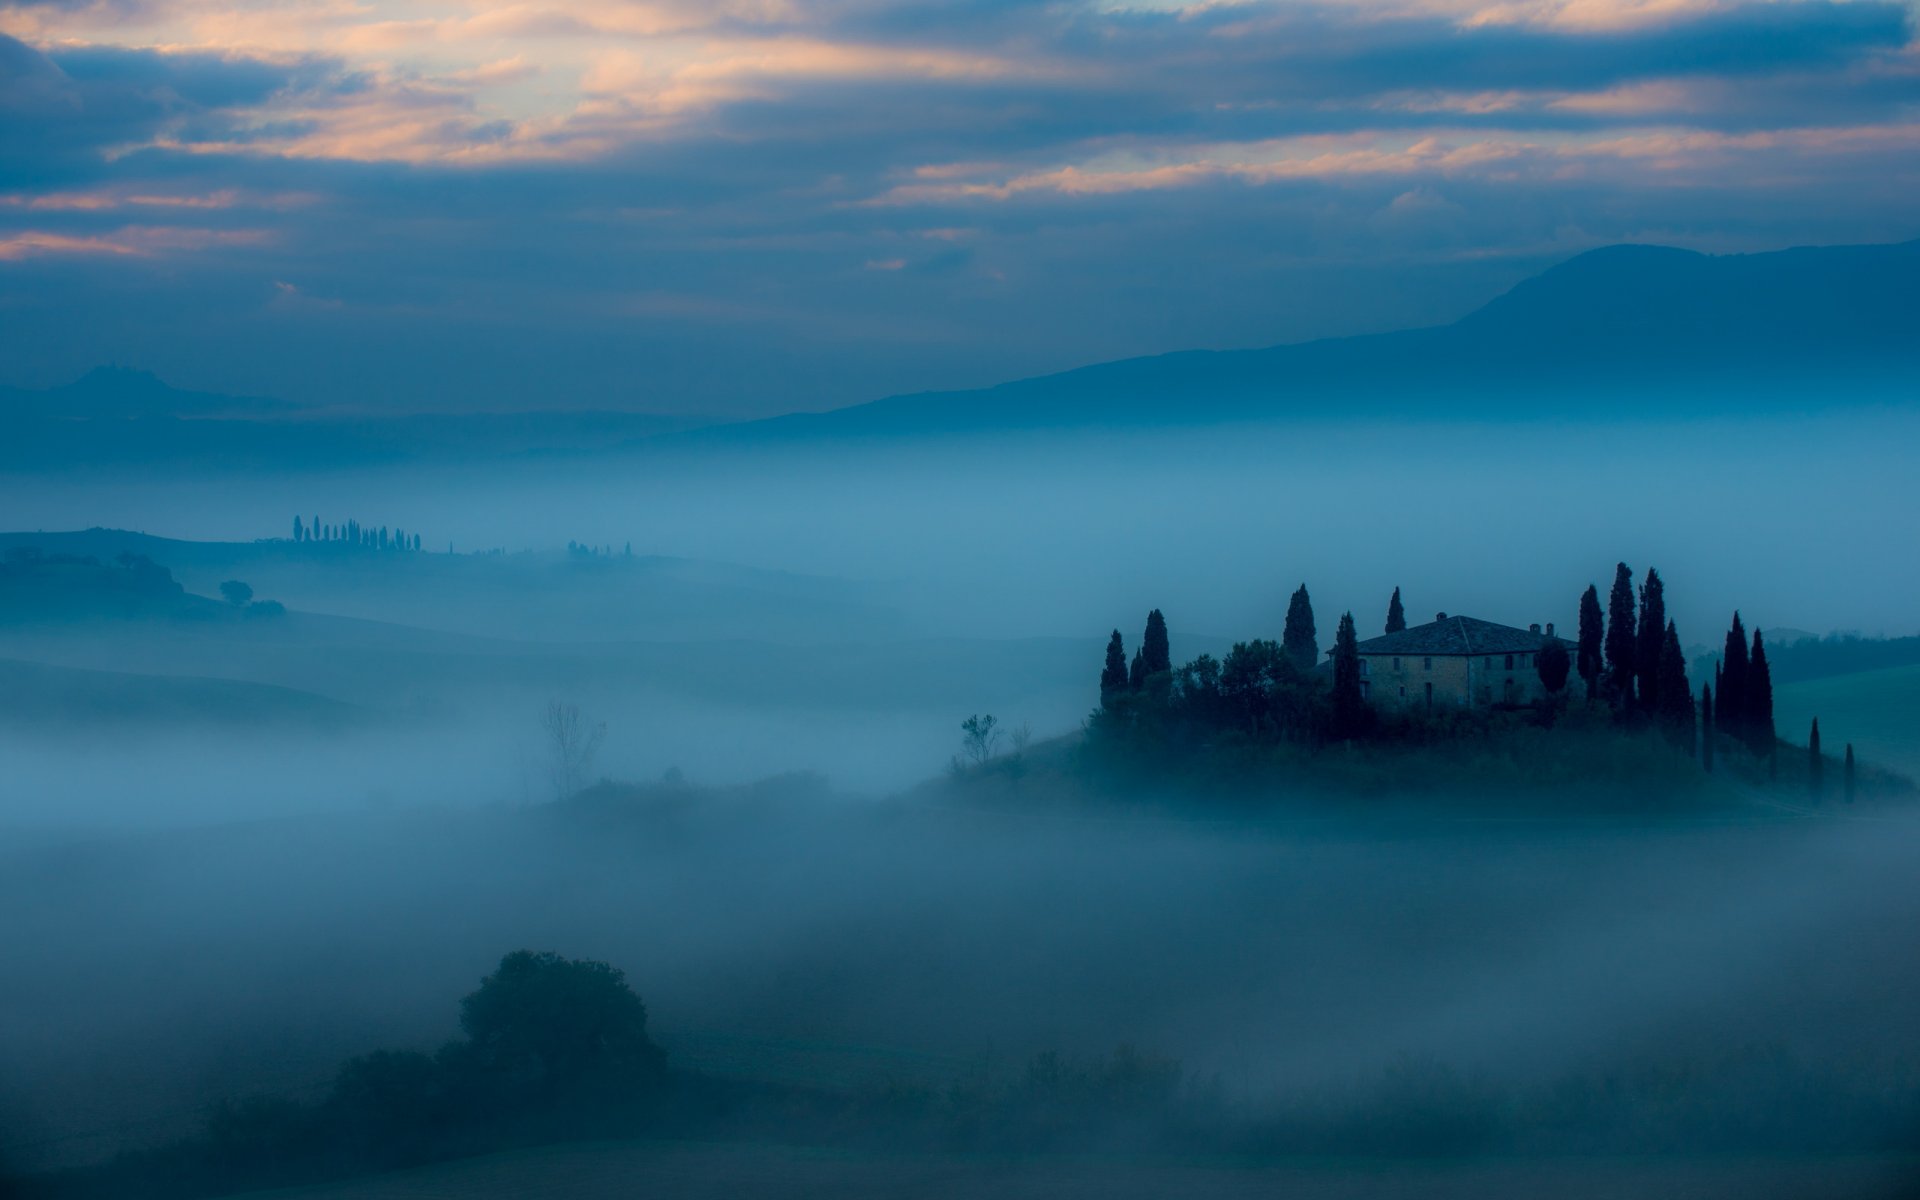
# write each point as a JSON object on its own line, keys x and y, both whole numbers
{"x": 1456, "y": 679}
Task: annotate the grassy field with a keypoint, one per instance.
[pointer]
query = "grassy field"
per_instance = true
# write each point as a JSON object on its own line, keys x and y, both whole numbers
{"x": 1878, "y": 711}
{"x": 699, "y": 1171}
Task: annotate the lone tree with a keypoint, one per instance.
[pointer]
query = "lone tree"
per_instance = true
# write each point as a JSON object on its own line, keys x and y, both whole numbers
{"x": 1113, "y": 677}
{"x": 1156, "y": 654}
{"x": 1553, "y": 666}
{"x": 1298, "y": 638}
{"x": 545, "y": 1024}
{"x": 1622, "y": 639}
{"x": 1349, "y": 706}
{"x": 572, "y": 741}
{"x": 237, "y": 593}
{"x": 1758, "y": 718}
{"x": 1674, "y": 693}
{"x": 1396, "y": 615}
{"x": 979, "y": 737}
{"x": 1593, "y": 628}
{"x": 1650, "y": 645}
{"x": 1706, "y": 727}
{"x": 1816, "y": 766}
{"x": 1846, "y": 775}
{"x": 1732, "y": 696}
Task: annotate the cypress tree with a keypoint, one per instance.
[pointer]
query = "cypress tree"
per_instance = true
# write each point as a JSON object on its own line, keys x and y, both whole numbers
{"x": 1137, "y": 673}
{"x": 1650, "y": 646}
{"x": 299, "y": 531}
{"x": 1758, "y": 719}
{"x": 1113, "y": 677}
{"x": 1622, "y": 639}
{"x": 1676, "y": 696}
{"x": 1396, "y": 615}
{"x": 1706, "y": 727}
{"x": 1816, "y": 769}
{"x": 1847, "y": 775}
{"x": 1299, "y": 638}
{"x": 1593, "y": 626}
{"x": 1349, "y": 706}
{"x": 1159, "y": 656}
{"x": 1732, "y": 713}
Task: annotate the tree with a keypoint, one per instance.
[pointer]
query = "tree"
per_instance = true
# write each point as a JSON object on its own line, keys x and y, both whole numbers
{"x": 1847, "y": 775}
{"x": 1349, "y": 705}
{"x": 543, "y": 1023}
{"x": 1587, "y": 657}
{"x": 1731, "y": 714}
{"x": 299, "y": 530}
{"x": 1674, "y": 694}
{"x": 1758, "y": 718}
{"x": 1137, "y": 672}
{"x": 1154, "y": 648}
{"x": 572, "y": 741}
{"x": 1113, "y": 677}
{"x": 1816, "y": 767}
{"x": 1622, "y": 639}
{"x": 1553, "y": 665}
{"x": 1298, "y": 638}
{"x": 979, "y": 737}
{"x": 1706, "y": 727}
{"x": 237, "y": 593}
{"x": 1396, "y": 615}
{"x": 1649, "y": 646}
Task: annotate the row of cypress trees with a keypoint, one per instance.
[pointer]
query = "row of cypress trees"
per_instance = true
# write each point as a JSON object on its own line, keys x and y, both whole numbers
{"x": 353, "y": 533}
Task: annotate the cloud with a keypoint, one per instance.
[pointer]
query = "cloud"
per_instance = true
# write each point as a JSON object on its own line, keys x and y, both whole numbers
{"x": 601, "y": 178}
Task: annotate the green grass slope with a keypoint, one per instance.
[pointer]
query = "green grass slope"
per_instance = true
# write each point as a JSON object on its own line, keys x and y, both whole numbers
{"x": 1878, "y": 711}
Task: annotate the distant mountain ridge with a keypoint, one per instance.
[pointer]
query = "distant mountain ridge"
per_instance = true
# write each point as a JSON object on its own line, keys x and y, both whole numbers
{"x": 1653, "y": 328}
{"x": 1629, "y": 330}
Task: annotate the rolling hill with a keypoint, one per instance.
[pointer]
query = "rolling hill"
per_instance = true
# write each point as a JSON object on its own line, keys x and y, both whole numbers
{"x": 1652, "y": 330}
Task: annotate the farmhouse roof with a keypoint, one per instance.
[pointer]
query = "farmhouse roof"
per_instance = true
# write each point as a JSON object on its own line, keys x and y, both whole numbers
{"x": 1460, "y": 636}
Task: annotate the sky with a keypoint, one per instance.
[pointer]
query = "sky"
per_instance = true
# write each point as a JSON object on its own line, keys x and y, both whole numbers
{"x": 742, "y": 207}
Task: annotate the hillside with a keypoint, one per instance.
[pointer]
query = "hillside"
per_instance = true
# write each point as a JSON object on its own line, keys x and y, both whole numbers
{"x": 41, "y": 697}
{"x": 1878, "y": 711}
{"x": 1654, "y": 329}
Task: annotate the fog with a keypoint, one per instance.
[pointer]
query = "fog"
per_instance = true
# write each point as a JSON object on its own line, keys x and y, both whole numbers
{"x": 213, "y": 891}
{"x": 1066, "y": 534}
{"x": 777, "y": 934}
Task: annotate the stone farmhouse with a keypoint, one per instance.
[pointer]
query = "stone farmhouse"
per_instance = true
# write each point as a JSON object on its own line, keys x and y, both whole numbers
{"x": 1461, "y": 661}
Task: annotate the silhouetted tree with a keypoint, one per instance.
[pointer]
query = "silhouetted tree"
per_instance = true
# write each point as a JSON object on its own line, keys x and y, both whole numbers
{"x": 1593, "y": 627}
{"x": 1137, "y": 672}
{"x": 979, "y": 737}
{"x": 1622, "y": 639}
{"x": 237, "y": 593}
{"x": 1731, "y": 713}
{"x": 1649, "y": 646}
{"x": 299, "y": 530}
{"x": 1553, "y": 665}
{"x": 1154, "y": 648}
{"x": 1396, "y": 615}
{"x": 1758, "y": 719}
{"x": 1816, "y": 767}
{"x": 1113, "y": 677}
{"x": 1847, "y": 775}
{"x": 542, "y": 1024}
{"x": 1706, "y": 727}
{"x": 1298, "y": 638}
{"x": 1675, "y": 695}
{"x": 1349, "y": 705}
{"x": 572, "y": 741}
